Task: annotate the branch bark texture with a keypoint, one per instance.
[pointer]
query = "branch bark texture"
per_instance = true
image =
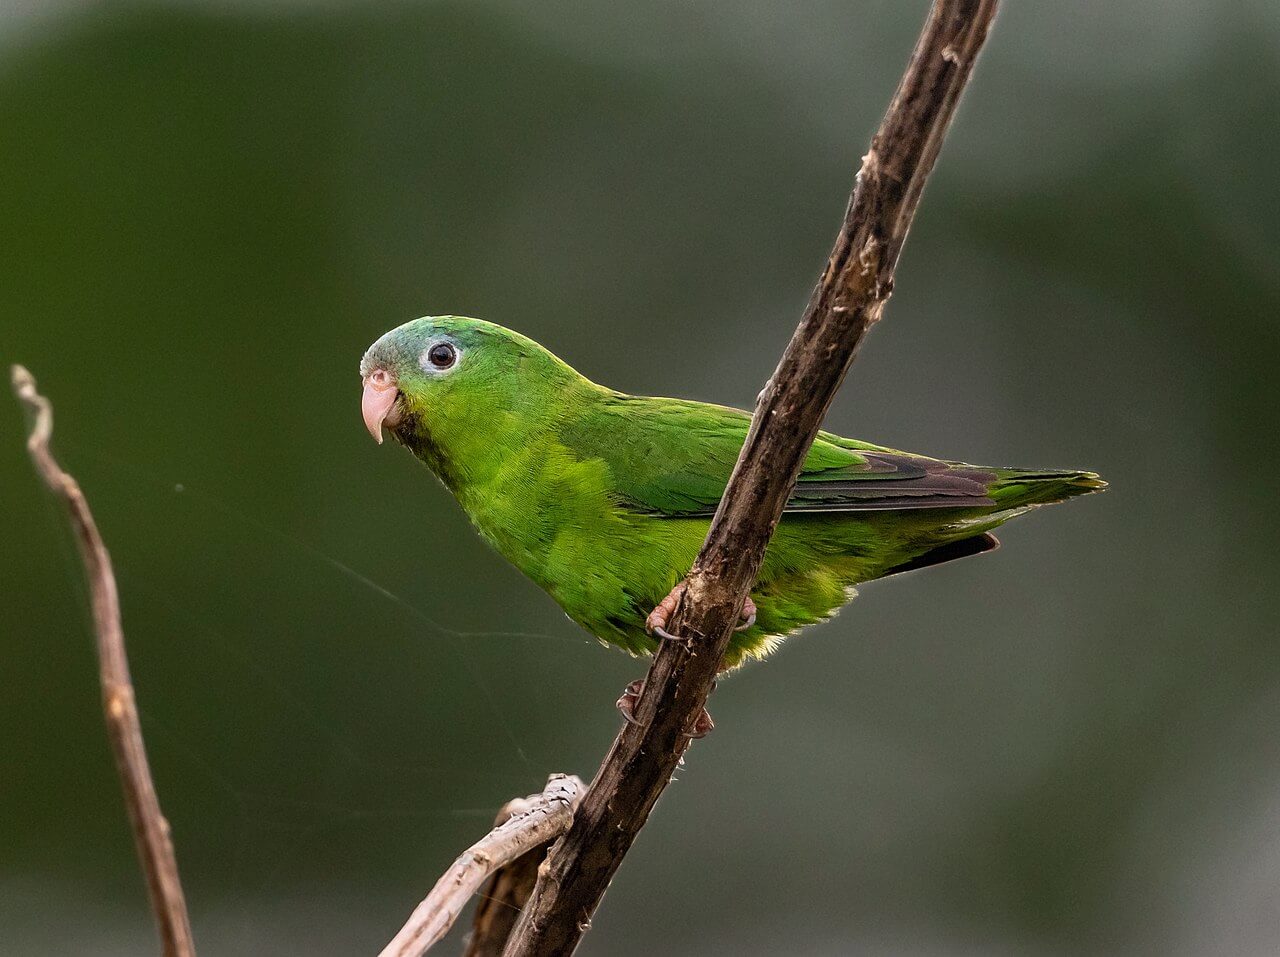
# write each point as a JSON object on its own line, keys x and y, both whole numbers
{"x": 532, "y": 823}
{"x": 150, "y": 828}
{"x": 848, "y": 300}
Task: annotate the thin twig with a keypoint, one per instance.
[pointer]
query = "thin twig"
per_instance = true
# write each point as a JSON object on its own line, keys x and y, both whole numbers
{"x": 150, "y": 829}
{"x": 500, "y": 901}
{"x": 542, "y": 819}
{"x": 848, "y": 300}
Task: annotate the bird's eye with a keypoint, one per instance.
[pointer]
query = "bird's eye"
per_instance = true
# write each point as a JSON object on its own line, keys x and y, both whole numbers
{"x": 441, "y": 356}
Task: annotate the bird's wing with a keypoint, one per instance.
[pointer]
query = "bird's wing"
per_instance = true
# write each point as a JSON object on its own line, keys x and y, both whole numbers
{"x": 673, "y": 457}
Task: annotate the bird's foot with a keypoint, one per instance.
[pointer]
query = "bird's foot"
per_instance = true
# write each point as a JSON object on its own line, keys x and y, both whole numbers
{"x": 627, "y": 703}
{"x": 656, "y": 623}
{"x": 627, "y": 706}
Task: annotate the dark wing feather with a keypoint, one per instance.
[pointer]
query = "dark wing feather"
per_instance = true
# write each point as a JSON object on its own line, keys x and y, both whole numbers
{"x": 949, "y": 552}
{"x": 911, "y": 482}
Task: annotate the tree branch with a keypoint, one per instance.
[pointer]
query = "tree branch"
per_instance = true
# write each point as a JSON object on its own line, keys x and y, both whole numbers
{"x": 529, "y": 825}
{"x": 509, "y": 889}
{"x": 150, "y": 829}
{"x": 848, "y": 300}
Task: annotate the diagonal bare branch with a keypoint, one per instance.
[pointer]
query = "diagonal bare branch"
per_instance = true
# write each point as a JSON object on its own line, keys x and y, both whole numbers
{"x": 848, "y": 300}
{"x": 150, "y": 828}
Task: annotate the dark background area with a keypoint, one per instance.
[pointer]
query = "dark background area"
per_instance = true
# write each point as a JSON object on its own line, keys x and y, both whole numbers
{"x": 209, "y": 209}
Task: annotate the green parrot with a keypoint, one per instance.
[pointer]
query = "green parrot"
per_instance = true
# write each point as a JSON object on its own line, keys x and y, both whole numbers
{"x": 603, "y": 498}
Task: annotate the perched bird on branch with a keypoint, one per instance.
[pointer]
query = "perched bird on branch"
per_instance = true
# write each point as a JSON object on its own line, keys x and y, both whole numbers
{"x": 603, "y": 499}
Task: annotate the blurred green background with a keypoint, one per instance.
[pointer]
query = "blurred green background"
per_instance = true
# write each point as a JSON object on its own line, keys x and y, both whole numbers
{"x": 209, "y": 209}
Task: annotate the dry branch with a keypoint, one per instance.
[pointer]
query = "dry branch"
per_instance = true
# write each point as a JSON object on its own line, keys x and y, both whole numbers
{"x": 846, "y": 303}
{"x": 150, "y": 829}
{"x": 533, "y": 823}
{"x": 509, "y": 889}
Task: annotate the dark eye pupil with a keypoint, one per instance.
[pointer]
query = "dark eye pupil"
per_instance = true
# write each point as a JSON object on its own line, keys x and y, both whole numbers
{"x": 441, "y": 356}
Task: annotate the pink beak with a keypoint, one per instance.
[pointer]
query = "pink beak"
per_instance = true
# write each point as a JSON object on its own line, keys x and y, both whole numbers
{"x": 379, "y": 398}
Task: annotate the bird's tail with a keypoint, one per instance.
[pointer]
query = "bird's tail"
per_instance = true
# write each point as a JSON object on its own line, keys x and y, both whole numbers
{"x": 1014, "y": 492}
{"x": 1018, "y": 488}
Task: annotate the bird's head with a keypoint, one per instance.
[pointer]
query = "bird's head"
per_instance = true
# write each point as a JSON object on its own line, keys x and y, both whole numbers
{"x": 445, "y": 381}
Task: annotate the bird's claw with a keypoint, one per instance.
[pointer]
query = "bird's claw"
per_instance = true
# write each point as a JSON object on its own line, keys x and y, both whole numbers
{"x": 702, "y": 727}
{"x": 656, "y": 623}
{"x": 627, "y": 707}
{"x": 627, "y": 702}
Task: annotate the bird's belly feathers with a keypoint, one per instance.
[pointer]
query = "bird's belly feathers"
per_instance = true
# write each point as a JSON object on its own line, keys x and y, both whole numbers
{"x": 607, "y": 565}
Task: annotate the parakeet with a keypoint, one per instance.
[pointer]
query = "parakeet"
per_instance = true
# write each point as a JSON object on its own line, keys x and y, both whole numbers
{"x": 603, "y": 498}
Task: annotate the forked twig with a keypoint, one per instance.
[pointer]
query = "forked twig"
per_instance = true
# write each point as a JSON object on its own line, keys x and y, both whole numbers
{"x": 150, "y": 828}
{"x": 538, "y": 820}
{"x": 500, "y": 901}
